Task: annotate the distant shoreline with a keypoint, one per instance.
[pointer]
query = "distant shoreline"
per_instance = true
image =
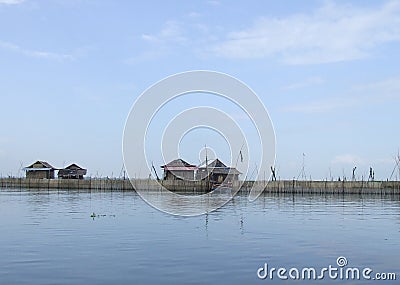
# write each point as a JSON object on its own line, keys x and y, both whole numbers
{"x": 198, "y": 187}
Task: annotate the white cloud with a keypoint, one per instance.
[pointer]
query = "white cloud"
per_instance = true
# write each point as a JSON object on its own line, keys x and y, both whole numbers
{"x": 214, "y": 2}
{"x": 385, "y": 91}
{"x": 11, "y": 2}
{"x": 171, "y": 32}
{"x": 193, "y": 15}
{"x": 161, "y": 43}
{"x": 34, "y": 53}
{"x": 390, "y": 161}
{"x": 148, "y": 55}
{"x": 321, "y": 106}
{"x": 331, "y": 33}
{"x": 310, "y": 81}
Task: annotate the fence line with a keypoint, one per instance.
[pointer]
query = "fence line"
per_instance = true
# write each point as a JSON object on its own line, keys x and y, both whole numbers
{"x": 280, "y": 186}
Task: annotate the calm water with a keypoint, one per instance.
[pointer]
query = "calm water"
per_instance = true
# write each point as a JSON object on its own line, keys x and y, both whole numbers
{"x": 48, "y": 237}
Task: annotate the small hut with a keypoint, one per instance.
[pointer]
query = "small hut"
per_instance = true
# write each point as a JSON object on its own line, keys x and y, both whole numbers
{"x": 73, "y": 171}
{"x": 40, "y": 170}
{"x": 179, "y": 169}
{"x": 218, "y": 172}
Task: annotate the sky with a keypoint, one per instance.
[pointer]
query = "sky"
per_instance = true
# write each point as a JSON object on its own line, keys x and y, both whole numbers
{"x": 328, "y": 72}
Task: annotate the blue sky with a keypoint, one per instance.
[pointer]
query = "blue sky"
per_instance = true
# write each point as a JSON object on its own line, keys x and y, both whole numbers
{"x": 327, "y": 71}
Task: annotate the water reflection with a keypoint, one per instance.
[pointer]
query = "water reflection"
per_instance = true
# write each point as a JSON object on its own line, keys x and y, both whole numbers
{"x": 48, "y": 237}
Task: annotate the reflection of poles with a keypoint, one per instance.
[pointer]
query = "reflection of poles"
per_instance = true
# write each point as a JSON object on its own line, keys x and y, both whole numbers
{"x": 241, "y": 224}
{"x": 207, "y": 177}
{"x": 206, "y": 224}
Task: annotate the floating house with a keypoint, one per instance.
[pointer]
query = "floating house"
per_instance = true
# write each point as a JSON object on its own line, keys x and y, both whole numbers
{"x": 40, "y": 170}
{"x": 179, "y": 169}
{"x": 218, "y": 172}
{"x": 73, "y": 171}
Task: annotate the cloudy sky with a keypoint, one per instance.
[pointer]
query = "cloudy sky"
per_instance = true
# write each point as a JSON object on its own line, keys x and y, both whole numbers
{"x": 327, "y": 71}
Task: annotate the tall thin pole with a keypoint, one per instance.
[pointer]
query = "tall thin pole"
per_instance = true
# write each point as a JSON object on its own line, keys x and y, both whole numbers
{"x": 208, "y": 178}
{"x": 302, "y": 173}
{"x": 239, "y": 155}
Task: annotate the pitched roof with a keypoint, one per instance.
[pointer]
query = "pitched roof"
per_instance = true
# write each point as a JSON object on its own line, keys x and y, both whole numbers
{"x": 225, "y": 170}
{"x": 44, "y": 164}
{"x": 215, "y": 163}
{"x": 72, "y": 170}
{"x": 73, "y": 166}
{"x": 178, "y": 163}
{"x": 217, "y": 166}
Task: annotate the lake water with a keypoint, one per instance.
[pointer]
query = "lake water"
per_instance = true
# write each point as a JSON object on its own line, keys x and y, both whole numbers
{"x": 49, "y": 237}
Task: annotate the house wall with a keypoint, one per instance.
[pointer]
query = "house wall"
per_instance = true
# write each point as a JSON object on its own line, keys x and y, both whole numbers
{"x": 179, "y": 175}
{"x": 232, "y": 177}
{"x": 71, "y": 174}
{"x": 217, "y": 177}
{"x": 201, "y": 174}
{"x": 40, "y": 174}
